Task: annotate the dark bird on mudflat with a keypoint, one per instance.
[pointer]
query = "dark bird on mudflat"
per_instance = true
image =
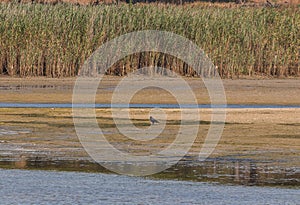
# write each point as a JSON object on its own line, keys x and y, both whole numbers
{"x": 152, "y": 120}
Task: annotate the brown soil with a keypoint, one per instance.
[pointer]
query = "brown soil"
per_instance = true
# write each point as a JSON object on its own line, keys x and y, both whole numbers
{"x": 239, "y": 91}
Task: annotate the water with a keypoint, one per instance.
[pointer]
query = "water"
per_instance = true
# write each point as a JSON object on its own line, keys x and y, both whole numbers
{"x": 51, "y": 187}
{"x": 214, "y": 170}
{"x": 103, "y": 105}
{"x": 203, "y": 184}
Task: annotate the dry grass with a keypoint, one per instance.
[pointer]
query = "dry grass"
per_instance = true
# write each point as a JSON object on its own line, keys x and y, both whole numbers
{"x": 215, "y": 3}
{"x": 55, "y": 40}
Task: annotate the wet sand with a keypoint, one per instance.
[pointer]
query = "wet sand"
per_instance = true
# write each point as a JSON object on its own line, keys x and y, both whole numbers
{"x": 266, "y": 139}
{"x": 238, "y": 91}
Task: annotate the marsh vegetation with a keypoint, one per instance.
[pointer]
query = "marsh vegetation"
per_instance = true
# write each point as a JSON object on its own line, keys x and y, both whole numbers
{"x": 55, "y": 40}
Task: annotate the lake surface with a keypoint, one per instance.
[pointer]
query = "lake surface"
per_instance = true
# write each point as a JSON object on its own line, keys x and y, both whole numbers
{"x": 213, "y": 170}
{"x": 70, "y": 105}
{"x": 52, "y": 187}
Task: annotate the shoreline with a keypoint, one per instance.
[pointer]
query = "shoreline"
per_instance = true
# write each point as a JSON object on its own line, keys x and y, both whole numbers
{"x": 239, "y": 91}
{"x": 265, "y": 139}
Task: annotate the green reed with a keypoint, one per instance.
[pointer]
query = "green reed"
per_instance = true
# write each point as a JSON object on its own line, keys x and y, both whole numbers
{"x": 55, "y": 40}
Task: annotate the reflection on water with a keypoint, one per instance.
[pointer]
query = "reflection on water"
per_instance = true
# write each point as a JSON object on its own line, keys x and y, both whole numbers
{"x": 43, "y": 163}
{"x": 245, "y": 172}
{"x": 51, "y": 187}
{"x": 240, "y": 172}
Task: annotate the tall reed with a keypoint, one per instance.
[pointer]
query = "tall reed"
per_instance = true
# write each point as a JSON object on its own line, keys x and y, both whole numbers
{"x": 55, "y": 40}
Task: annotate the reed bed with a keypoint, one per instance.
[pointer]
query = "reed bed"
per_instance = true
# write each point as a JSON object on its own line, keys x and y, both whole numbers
{"x": 55, "y": 40}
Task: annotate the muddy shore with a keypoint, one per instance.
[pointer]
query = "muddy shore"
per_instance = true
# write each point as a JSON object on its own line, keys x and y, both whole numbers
{"x": 258, "y": 146}
{"x": 238, "y": 91}
{"x": 266, "y": 139}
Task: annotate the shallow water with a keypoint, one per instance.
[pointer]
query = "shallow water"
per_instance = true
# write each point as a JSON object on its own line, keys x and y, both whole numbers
{"x": 214, "y": 170}
{"x": 13, "y": 132}
{"x": 70, "y": 105}
{"x": 58, "y": 148}
{"x": 51, "y": 187}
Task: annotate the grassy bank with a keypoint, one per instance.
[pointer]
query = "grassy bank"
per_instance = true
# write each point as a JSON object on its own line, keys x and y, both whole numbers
{"x": 55, "y": 40}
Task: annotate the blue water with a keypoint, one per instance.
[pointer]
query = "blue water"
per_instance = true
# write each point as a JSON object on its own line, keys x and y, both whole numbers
{"x": 70, "y": 105}
{"x": 51, "y": 187}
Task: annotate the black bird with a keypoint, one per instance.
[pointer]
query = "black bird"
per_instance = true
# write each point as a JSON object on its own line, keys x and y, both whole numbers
{"x": 152, "y": 120}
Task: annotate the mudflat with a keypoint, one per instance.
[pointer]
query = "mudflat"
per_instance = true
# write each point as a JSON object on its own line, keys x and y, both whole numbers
{"x": 268, "y": 137}
{"x": 269, "y": 134}
{"x": 238, "y": 91}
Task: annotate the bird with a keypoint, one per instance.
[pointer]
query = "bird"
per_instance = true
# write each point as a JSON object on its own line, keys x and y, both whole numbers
{"x": 270, "y": 4}
{"x": 153, "y": 121}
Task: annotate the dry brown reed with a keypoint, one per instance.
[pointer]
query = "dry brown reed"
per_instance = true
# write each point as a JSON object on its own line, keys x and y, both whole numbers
{"x": 55, "y": 40}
